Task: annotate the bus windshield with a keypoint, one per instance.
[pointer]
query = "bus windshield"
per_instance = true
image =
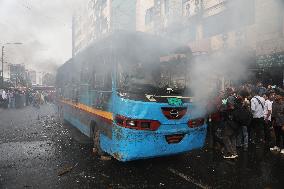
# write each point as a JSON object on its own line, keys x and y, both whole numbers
{"x": 164, "y": 78}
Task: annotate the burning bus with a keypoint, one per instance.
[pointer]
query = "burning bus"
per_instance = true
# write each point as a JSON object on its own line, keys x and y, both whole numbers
{"x": 129, "y": 93}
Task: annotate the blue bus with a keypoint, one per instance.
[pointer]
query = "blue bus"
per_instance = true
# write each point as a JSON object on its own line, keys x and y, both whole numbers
{"x": 129, "y": 93}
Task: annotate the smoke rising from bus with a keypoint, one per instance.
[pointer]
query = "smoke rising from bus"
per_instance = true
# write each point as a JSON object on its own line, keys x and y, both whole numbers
{"x": 208, "y": 74}
{"x": 231, "y": 62}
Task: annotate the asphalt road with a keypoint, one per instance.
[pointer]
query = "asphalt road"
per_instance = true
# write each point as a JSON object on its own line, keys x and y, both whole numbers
{"x": 36, "y": 151}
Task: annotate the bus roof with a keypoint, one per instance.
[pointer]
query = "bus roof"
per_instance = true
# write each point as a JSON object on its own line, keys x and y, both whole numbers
{"x": 134, "y": 46}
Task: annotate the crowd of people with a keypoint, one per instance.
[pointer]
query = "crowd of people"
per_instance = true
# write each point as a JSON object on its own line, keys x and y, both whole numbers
{"x": 241, "y": 117}
{"x": 247, "y": 116}
{"x": 15, "y": 98}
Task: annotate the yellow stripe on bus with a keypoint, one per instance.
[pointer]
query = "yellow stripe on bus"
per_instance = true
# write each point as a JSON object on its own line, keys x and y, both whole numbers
{"x": 103, "y": 114}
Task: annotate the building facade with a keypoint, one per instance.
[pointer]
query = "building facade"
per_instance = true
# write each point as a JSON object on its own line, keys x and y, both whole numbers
{"x": 205, "y": 25}
{"x": 213, "y": 25}
{"x": 32, "y": 77}
{"x": 18, "y": 74}
{"x": 98, "y": 18}
{"x": 48, "y": 79}
{"x": 142, "y": 6}
{"x": 90, "y": 22}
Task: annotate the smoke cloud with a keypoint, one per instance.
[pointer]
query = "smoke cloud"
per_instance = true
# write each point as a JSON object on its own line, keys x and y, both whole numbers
{"x": 253, "y": 22}
{"x": 207, "y": 74}
{"x": 44, "y": 28}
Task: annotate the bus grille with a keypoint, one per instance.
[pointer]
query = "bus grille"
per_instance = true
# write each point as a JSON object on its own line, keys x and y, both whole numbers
{"x": 173, "y": 139}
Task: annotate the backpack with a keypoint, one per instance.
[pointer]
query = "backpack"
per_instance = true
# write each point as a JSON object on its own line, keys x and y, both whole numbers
{"x": 243, "y": 116}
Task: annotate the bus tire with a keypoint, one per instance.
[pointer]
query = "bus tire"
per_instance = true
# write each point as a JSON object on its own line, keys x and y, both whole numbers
{"x": 96, "y": 141}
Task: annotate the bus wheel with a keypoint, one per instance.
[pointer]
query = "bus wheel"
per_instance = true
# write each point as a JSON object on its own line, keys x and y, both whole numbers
{"x": 96, "y": 140}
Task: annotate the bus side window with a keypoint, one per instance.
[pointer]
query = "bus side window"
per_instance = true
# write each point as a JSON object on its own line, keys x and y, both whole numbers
{"x": 98, "y": 81}
{"x": 103, "y": 86}
{"x": 107, "y": 82}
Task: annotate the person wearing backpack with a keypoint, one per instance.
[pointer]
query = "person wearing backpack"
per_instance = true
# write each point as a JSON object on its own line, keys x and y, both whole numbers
{"x": 278, "y": 124}
{"x": 267, "y": 117}
{"x": 231, "y": 127}
{"x": 257, "y": 125}
{"x": 243, "y": 117}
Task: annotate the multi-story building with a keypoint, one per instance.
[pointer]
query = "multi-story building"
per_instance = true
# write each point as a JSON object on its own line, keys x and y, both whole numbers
{"x": 205, "y": 25}
{"x": 163, "y": 15}
{"x": 98, "y": 18}
{"x": 32, "y": 76}
{"x": 17, "y": 74}
{"x": 48, "y": 79}
{"x": 142, "y": 6}
{"x": 212, "y": 25}
{"x": 6, "y": 72}
{"x": 90, "y": 22}
{"x": 216, "y": 25}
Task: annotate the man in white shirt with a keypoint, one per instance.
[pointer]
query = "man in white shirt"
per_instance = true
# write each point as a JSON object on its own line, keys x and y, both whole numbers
{"x": 4, "y": 95}
{"x": 5, "y": 99}
{"x": 257, "y": 126}
{"x": 267, "y": 117}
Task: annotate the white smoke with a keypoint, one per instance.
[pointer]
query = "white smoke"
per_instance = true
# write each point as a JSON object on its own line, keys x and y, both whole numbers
{"x": 232, "y": 62}
{"x": 207, "y": 74}
{"x": 44, "y": 28}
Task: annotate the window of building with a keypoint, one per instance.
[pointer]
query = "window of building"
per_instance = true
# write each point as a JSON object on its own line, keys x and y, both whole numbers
{"x": 149, "y": 16}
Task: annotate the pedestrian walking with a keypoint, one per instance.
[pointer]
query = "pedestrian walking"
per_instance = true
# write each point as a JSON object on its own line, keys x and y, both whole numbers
{"x": 27, "y": 94}
{"x": 12, "y": 97}
{"x": 230, "y": 130}
{"x": 257, "y": 125}
{"x": 267, "y": 118}
{"x": 278, "y": 124}
{"x": 243, "y": 117}
{"x": 36, "y": 99}
{"x": 215, "y": 122}
{"x": 5, "y": 99}
{"x": 261, "y": 89}
{"x": 230, "y": 133}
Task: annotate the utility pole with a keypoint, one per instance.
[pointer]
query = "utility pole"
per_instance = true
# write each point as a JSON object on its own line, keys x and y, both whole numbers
{"x": 2, "y": 71}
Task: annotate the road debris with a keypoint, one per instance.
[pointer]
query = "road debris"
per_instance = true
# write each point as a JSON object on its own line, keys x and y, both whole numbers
{"x": 189, "y": 179}
{"x": 66, "y": 169}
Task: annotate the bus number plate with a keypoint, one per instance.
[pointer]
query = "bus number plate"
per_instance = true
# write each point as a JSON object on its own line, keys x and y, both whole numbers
{"x": 174, "y": 101}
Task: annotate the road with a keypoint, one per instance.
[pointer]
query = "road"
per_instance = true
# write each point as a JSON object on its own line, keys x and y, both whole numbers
{"x": 36, "y": 151}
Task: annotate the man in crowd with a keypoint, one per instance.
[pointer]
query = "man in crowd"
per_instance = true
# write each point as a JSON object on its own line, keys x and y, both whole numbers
{"x": 5, "y": 99}
{"x": 230, "y": 130}
{"x": 257, "y": 126}
{"x": 278, "y": 124}
{"x": 215, "y": 121}
{"x": 267, "y": 117}
{"x": 243, "y": 118}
